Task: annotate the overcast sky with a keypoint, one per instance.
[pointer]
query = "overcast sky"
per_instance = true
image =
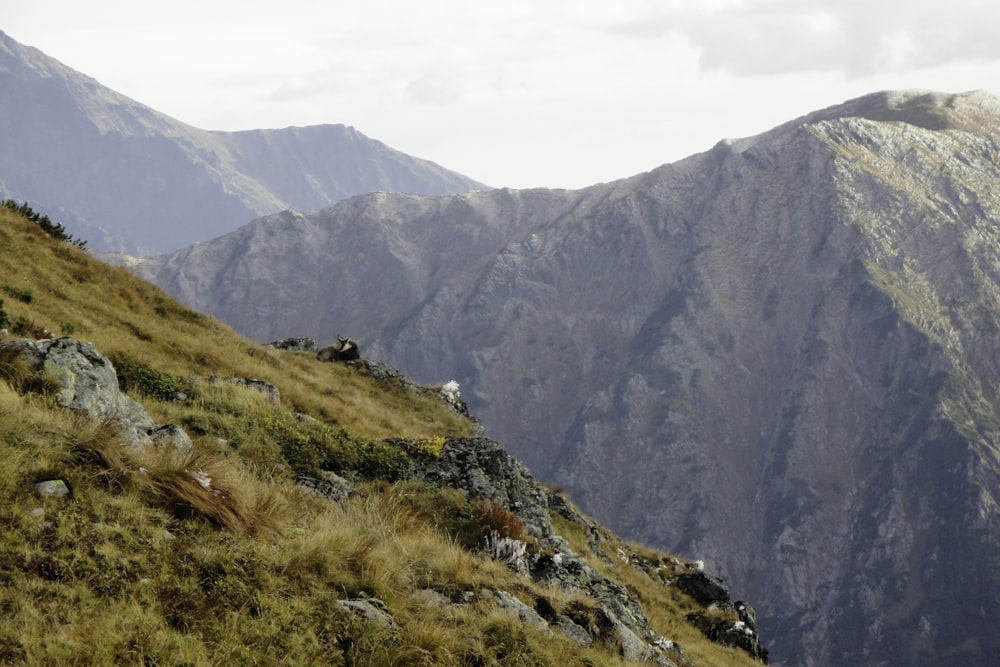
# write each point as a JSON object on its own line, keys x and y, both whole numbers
{"x": 517, "y": 93}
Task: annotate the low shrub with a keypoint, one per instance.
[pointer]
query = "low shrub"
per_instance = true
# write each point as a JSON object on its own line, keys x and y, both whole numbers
{"x": 134, "y": 376}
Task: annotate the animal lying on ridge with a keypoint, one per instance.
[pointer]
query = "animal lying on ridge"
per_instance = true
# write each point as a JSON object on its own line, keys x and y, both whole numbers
{"x": 344, "y": 349}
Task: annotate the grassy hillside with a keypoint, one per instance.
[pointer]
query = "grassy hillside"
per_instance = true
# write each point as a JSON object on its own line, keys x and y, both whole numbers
{"x": 140, "y": 565}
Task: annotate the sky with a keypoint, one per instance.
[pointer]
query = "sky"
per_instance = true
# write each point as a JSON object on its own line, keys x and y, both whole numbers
{"x": 512, "y": 93}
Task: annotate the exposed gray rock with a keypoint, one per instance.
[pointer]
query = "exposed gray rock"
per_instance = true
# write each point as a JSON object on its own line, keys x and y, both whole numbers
{"x": 294, "y": 344}
{"x": 170, "y": 435}
{"x": 568, "y": 627}
{"x": 55, "y": 488}
{"x": 484, "y": 469}
{"x": 266, "y": 388}
{"x": 730, "y": 633}
{"x": 382, "y": 371}
{"x": 330, "y": 486}
{"x": 526, "y": 614}
{"x": 704, "y": 588}
{"x": 370, "y": 609}
{"x": 87, "y": 383}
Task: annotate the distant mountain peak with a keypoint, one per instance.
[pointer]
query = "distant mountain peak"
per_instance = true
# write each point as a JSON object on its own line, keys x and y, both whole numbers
{"x": 126, "y": 177}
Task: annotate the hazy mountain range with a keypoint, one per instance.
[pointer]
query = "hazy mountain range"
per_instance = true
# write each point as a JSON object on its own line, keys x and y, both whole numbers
{"x": 128, "y": 178}
{"x": 779, "y": 355}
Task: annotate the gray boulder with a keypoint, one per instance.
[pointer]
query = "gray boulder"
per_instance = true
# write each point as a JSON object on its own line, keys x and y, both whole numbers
{"x": 272, "y": 393}
{"x": 372, "y": 610}
{"x": 294, "y": 344}
{"x": 86, "y": 383}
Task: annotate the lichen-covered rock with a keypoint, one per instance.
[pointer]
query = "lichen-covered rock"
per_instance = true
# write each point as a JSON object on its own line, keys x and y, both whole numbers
{"x": 55, "y": 488}
{"x": 269, "y": 390}
{"x": 372, "y": 610}
{"x": 295, "y": 344}
{"x": 86, "y": 383}
{"x": 484, "y": 469}
{"x": 330, "y": 486}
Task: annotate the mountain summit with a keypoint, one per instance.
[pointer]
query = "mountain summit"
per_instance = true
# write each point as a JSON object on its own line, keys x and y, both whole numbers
{"x": 128, "y": 178}
{"x": 779, "y": 355}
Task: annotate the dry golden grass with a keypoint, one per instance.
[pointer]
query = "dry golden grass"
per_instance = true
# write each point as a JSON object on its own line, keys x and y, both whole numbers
{"x": 65, "y": 291}
{"x": 213, "y": 556}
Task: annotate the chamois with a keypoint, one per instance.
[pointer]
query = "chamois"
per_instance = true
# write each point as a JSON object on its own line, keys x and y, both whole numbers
{"x": 344, "y": 349}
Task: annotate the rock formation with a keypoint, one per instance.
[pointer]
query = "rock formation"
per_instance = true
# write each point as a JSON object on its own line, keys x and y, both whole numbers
{"x": 481, "y": 467}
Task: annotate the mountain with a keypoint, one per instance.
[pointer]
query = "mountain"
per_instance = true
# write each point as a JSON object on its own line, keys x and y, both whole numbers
{"x": 779, "y": 355}
{"x": 127, "y": 178}
{"x": 173, "y": 493}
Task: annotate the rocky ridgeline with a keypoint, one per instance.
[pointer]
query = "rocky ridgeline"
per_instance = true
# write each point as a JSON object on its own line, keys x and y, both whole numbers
{"x": 86, "y": 382}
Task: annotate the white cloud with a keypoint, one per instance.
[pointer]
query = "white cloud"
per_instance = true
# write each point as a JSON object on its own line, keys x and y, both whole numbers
{"x": 858, "y": 37}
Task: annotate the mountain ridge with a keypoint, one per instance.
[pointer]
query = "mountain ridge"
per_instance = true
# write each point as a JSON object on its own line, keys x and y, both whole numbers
{"x": 786, "y": 341}
{"x": 73, "y": 147}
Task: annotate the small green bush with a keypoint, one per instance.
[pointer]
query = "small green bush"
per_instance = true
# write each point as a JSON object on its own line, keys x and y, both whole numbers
{"x": 26, "y": 328}
{"x": 24, "y": 295}
{"x": 137, "y": 377}
{"x": 309, "y": 448}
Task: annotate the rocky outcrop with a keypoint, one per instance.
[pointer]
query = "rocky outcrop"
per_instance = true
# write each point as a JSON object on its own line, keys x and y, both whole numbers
{"x": 296, "y": 344}
{"x": 485, "y": 470}
{"x": 723, "y": 621}
{"x": 86, "y": 382}
{"x": 481, "y": 468}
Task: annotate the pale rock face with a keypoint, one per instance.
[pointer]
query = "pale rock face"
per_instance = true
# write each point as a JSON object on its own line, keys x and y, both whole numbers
{"x": 779, "y": 355}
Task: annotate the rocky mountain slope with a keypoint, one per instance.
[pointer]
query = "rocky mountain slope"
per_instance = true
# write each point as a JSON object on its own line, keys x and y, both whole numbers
{"x": 173, "y": 493}
{"x": 128, "y": 178}
{"x": 779, "y": 355}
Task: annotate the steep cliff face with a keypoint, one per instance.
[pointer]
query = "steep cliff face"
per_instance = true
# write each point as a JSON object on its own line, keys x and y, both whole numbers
{"x": 779, "y": 355}
{"x": 126, "y": 177}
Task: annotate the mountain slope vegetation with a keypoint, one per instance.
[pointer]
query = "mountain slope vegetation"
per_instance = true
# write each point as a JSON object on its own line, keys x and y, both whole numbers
{"x": 217, "y": 553}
